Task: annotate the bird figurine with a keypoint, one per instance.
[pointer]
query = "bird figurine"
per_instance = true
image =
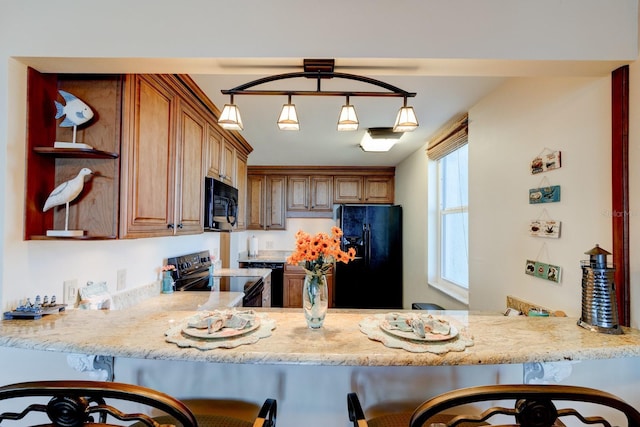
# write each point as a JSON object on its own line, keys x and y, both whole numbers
{"x": 63, "y": 194}
{"x": 67, "y": 191}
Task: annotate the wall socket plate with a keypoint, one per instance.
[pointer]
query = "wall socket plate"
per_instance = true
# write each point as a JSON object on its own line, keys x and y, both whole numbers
{"x": 70, "y": 292}
{"x": 121, "y": 281}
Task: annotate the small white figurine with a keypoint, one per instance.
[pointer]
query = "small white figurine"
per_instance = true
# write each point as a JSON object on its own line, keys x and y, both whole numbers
{"x": 75, "y": 113}
{"x": 63, "y": 194}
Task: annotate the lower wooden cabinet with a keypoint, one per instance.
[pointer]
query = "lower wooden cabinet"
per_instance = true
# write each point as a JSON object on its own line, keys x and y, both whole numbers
{"x": 292, "y": 286}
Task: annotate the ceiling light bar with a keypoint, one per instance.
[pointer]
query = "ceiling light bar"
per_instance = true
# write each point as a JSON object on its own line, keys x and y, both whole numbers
{"x": 320, "y": 69}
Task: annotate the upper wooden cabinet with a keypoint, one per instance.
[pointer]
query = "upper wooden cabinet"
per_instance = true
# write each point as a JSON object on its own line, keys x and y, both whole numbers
{"x": 309, "y": 195}
{"x": 241, "y": 185}
{"x": 221, "y": 156}
{"x": 163, "y": 139}
{"x": 155, "y": 139}
{"x": 311, "y": 191}
{"x": 364, "y": 189}
{"x": 266, "y": 202}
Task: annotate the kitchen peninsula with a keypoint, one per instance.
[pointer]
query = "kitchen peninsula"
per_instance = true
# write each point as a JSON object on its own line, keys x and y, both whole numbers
{"x": 311, "y": 371}
{"x": 496, "y": 339}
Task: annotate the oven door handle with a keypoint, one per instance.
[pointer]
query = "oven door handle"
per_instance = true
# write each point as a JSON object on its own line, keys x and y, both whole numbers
{"x": 185, "y": 283}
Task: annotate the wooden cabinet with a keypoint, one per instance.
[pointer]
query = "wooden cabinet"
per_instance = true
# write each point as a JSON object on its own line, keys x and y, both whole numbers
{"x": 154, "y": 137}
{"x": 266, "y": 202}
{"x": 241, "y": 185}
{"x": 364, "y": 189}
{"x": 292, "y": 286}
{"x": 309, "y": 195}
{"x": 221, "y": 156}
{"x": 162, "y": 170}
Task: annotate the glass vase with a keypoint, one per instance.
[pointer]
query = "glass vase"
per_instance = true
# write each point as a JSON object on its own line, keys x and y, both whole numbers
{"x": 315, "y": 299}
{"x": 167, "y": 282}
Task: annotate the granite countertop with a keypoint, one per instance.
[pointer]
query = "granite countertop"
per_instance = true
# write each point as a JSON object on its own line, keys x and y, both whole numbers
{"x": 497, "y": 339}
{"x": 265, "y": 256}
{"x": 241, "y": 272}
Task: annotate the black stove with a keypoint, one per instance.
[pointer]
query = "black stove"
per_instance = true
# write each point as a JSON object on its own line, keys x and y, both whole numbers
{"x": 192, "y": 274}
{"x": 192, "y": 271}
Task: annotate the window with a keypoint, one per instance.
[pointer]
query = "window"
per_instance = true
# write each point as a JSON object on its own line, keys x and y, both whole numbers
{"x": 453, "y": 218}
{"x": 448, "y": 217}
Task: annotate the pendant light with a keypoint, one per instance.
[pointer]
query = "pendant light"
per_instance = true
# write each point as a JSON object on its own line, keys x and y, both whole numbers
{"x": 288, "y": 119}
{"x": 348, "y": 120}
{"x": 406, "y": 121}
{"x": 230, "y": 117}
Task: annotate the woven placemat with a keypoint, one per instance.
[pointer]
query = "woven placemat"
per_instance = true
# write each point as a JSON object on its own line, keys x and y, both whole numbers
{"x": 370, "y": 326}
{"x": 176, "y": 336}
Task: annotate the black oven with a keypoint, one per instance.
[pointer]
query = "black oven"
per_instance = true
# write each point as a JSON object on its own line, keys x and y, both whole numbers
{"x": 192, "y": 274}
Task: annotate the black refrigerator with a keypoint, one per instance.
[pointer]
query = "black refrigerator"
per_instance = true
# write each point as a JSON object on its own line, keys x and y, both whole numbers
{"x": 374, "y": 278}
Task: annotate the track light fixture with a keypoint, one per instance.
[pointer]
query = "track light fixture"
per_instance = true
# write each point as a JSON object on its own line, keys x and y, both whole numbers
{"x": 348, "y": 120}
{"x": 288, "y": 119}
{"x": 319, "y": 69}
{"x": 230, "y": 117}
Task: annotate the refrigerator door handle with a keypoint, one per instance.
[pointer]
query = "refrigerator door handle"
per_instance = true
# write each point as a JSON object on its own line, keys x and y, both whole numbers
{"x": 367, "y": 243}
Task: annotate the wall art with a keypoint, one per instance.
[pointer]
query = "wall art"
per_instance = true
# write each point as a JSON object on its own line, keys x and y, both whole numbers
{"x": 543, "y": 271}
{"x": 550, "y": 194}
{"x": 549, "y": 228}
{"x": 547, "y": 160}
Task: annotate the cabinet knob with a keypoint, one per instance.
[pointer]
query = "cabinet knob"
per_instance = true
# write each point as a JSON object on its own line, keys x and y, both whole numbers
{"x": 170, "y": 226}
{"x": 180, "y": 225}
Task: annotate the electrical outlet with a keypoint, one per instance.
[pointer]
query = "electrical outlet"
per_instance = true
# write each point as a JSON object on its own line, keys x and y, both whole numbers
{"x": 269, "y": 244}
{"x": 70, "y": 294}
{"x": 122, "y": 279}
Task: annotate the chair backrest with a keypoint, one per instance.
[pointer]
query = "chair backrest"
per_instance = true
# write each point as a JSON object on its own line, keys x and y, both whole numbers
{"x": 534, "y": 405}
{"x": 77, "y": 403}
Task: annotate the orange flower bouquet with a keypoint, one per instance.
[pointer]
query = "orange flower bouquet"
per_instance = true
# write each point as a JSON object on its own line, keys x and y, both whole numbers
{"x": 318, "y": 253}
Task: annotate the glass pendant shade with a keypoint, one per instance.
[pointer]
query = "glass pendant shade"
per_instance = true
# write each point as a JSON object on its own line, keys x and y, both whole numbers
{"x": 406, "y": 121}
{"x": 348, "y": 120}
{"x": 288, "y": 119}
{"x": 230, "y": 117}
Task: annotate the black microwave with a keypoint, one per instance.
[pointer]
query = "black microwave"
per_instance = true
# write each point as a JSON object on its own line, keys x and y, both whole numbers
{"x": 220, "y": 205}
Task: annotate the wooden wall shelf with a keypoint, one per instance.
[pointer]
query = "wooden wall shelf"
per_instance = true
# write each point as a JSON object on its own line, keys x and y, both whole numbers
{"x": 75, "y": 153}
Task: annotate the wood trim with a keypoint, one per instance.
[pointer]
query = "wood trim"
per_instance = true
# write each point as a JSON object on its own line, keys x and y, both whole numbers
{"x": 620, "y": 189}
{"x": 322, "y": 170}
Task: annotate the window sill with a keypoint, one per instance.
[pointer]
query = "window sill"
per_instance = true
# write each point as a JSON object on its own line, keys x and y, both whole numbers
{"x": 453, "y": 291}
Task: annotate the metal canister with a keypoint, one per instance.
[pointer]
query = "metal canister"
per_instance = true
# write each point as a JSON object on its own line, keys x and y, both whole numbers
{"x": 599, "y": 303}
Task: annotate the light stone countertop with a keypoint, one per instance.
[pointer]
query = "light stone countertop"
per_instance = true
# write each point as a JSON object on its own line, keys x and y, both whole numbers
{"x": 274, "y": 256}
{"x": 241, "y": 272}
{"x": 138, "y": 332}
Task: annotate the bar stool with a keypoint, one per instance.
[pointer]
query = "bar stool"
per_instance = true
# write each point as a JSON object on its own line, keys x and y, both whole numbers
{"x": 98, "y": 403}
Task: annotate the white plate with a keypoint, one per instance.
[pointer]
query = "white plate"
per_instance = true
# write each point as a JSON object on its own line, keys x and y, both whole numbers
{"x": 222, "y": 333}
{"x": 384, "y": 325}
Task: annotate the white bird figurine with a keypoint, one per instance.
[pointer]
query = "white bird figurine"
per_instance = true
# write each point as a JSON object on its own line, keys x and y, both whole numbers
{"x": 67, "y": 191}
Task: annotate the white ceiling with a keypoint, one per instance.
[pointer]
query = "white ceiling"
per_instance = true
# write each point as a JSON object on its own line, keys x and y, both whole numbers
{"x": 445, "y": 88}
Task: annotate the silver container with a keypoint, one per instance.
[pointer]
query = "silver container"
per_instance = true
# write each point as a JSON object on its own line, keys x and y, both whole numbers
{"x": 599, "y": 304}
